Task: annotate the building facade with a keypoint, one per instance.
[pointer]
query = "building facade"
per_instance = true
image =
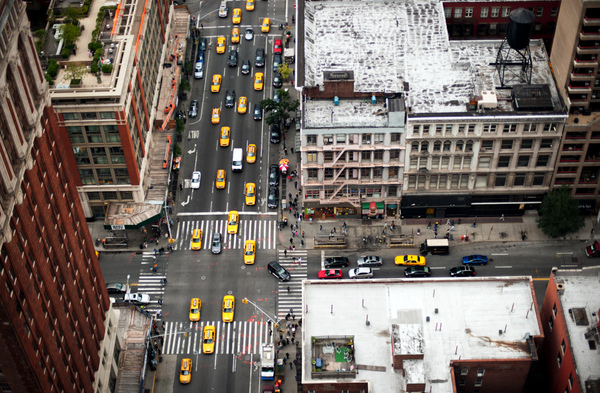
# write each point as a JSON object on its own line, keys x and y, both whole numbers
{"x": 571, "y": 326}
{"x": 489, "y": 19}
{"x": 107, "y": 121}
{"x": 53, "y": 301}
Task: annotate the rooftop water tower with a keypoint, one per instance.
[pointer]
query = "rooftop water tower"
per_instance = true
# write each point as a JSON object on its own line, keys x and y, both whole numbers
{"x": 513, "y": 61}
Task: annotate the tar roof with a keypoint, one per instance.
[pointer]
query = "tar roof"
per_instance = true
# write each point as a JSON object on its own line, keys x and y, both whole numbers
{"x": 454, "y": 332}
{"x": 402, "y": 42}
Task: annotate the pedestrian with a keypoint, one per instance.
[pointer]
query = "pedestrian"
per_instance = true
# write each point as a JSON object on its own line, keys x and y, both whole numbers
{"x": 285, "y": 253}
{"x": 290, "y": 208}
{"x": 293, "y": 248}
{"x": 302, "y": 234}
{"x": 287, "y": 317}
{"x": 287, "y": 341}
{"x": 270, "y": 332}
{"x": 300, "y": 261}
{"x": 334, "y": 230}
{"x": 296, "y": 182}
{"x": 180, "y": 186}
{"x": 291, "y": 362}
{"x": 593, "y": 232}
{"x": 435, "y": 235}
{"x": 452, "y": 228}
{"x": 502, "y": 217}
{"x": 292, "y": 343}
{"x": 290, "y": 179}
{"x": 160, "y": 302}
{"x": 429, "y": 225}
{"x": 320, "y": 227}
{"x": 165, "y": 281}
{"x": 285, "y": 151}
{"x": 290, "y": 196}
{"x": 448, "y": 221}
{"x": 459, "y": 221}
{"x": 288, "y": 288}
{"x": 287, "y": 355}
{"x": 291, "y": 240}
{"x": 474, "y": 224}
{"x": 292, "y": 149}
{"x": 293, "y": 317}
{"x": 284, "y": 361}
{"x": 294, "y": 330}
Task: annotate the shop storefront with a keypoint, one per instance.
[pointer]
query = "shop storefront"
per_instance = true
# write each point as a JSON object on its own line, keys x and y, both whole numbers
{"x": 373, "y": 209}
{"x": 323, "y": 212}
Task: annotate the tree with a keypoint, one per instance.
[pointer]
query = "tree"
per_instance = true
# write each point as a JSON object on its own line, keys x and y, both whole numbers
{"x": 69, "y": 33}
{"x": 72, "y": 15}
{"x": 559, "y": 213}
{"x": 284, "y": 70}
{"x": 279, "y": 112}
{"x": 75, "y": 71}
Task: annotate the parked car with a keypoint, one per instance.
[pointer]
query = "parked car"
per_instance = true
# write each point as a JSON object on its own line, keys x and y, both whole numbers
{"x": 475, "y": 260}
{"x": 199, "y": 71}
{"x": 116, "y": 288}
{"x": 332, "y": 262}
{"x": 193, "y": 112}
{"x": 230, "y": 98}
{"x": 216, "y": 244}
{"x": 232, "y": 61}
{"x": 370, "y": 260}
{"x": 276, "y": 62}
{"x": 462, "y": 271}
{"x": 278, "y": 271}
{"x": 257, "y": 112}
{"x": 275, "y": 133}
{"x": 330, "y": 274}
{"x": 417, "y": 271}
{"x": 277, "y": 46}
{"x": 277, "y": 96}
{"x": 273, "y": 198}
{"x": 259, "y": 60}
{"x": 246, "y": 67}
{"x": 360, "y": 272}
{"x": 277, "y": 81}
{"x": 273, "y": 175}
{"x": 202, "y": 44}
{"x": 137, "y": 298}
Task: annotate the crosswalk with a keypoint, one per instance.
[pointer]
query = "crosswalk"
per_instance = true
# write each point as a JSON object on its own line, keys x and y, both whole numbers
{"x": 238, "y": 337}
{"x": 290, "y": 292}
{"x": 263, "y": 231}
{"x": 152, "y": 283}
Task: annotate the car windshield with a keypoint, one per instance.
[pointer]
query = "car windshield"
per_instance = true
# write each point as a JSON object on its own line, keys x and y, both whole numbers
{"x": 196, "y": 239}
{"x": 208, "y": 340}
{"x": 249, "y": 252}
{"x": 272, "y": 197}
{"x": 227, "y": 309}
{"x": 232, "y": 221}
{"x": 250, "y": 193}
{"x": 185, "y": 372}
{"x": 194, "y": 310}
{"x": 215, "y": 243}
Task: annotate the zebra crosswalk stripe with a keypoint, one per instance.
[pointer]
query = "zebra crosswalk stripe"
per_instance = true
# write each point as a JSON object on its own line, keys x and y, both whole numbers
{"x": 292, "y": 299}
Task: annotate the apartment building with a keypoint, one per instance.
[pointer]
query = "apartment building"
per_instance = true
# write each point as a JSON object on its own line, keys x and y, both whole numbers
{"x": 489, "y": 19}
{"x": 464, "y": 140}
{"x": 570, "y": 320}
{"x": 575, "y": 65}
{"x": 107, "y": 120}
{"x": 53, "y": 301}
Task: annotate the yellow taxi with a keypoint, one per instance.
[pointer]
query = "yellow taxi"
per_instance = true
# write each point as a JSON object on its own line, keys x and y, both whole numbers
{"x": 242, "y": 105}
{"x": 249, "y": 5}
{"x": 258, "y": 81}
{"x": 228, "y": 308}
{"x": 185, "y": 375}
{"x": 221, "y": 43}
{"x": 251, "y": 154}
{"x": 216, "y": 116}
{"x": 250, "y": 192}
{"x": 235, "y": 35}
{"x": 249, "y": 252}
{"x": 195, "y": 306}
{"x": 208, "y": 339}
{"x": 197, "y": 239}
{"x": 215, "y": 85}
{"x": 410, "y": 260}
{"x": 225, "y": 135}
{"x": 266, "y": 25}
{"x": 236, "y": 18}
{"x": 233, "y": 221}
{"x": 221, "y": 175}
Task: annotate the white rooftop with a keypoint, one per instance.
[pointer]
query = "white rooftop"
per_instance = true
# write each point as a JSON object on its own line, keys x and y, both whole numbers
{"x": 581, "y": 289}
{"x": 349, "y": 113}
{"x": 406, "y": 41}
{"x": 471, "y": 312}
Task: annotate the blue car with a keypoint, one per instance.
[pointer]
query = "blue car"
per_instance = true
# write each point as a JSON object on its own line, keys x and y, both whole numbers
{"x": 475, "y": 260}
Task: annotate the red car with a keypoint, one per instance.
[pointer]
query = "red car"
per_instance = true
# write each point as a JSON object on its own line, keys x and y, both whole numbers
{"x": 277, "y": 46}
{"x": 330, "y": 273}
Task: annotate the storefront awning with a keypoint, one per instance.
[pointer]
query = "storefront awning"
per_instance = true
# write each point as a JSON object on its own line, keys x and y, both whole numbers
{"x": 367, "y": 205}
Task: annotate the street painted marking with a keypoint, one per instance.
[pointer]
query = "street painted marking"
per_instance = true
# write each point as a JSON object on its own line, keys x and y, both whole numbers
{"x": 501, "y": 254}
{"x": 564, "y": 253}
{"x": 569, "y": 266}
{"x": 437, "y": 267}
{"x": 503, "y": 267}
{"x": 185, "y": 214}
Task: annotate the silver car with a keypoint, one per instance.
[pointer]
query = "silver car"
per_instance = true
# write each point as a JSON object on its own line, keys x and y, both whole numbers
{"x": 216, "y": 244}
{"x": 369, "y": 260}
{"x": 360, "y": 272}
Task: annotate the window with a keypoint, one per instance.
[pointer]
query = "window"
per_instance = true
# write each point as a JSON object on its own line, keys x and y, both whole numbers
{"x": 437, "y": 146}
{"x": 445, "y": 162}
{"x": 328, "y": 156}
{"x": 438, "y": 128}
{"x": 378, "y": 138}
{"x": 489, "y": 127}
{"x": 507, "y": 144}
{"x": 469, "y": 12}
{"x": 526, "y": 143}
{"x": 365, "y": 173}
{"x": 519, "y": 180}
{"x": 529, "y": 127}
{"x": 458, "y": 12}
{"x": 464, "y": 371}
{"x": 484, "y": 162}
{"x": 480, "y": 372}
{"x": 549, "y": 127}
{"x": 448, "y": 12}
{"x": 462, "y": 128}
{"x": 448, "y": 129}
{"x": 481, "y": 181}
{"x": 340, "y": 138}
{"x": 327, "y": 139}
{"x": 414, "y": 146}
{"x": 311, "y": 157}
{"x": 107, "y": 115}
{"x": 542, "y": 160}
{"x": 462, "y": 382}
{"x": 395, "y": 137}
{"x": 523, "y": 161}
{"x": 504, "y": 161}
{"x": 311, "y": 139}
{"x": 495, "y": 12}
{"x": 313, "y": 173}
{"x": 554, "y": 11}
{"x": 500, "y": 181}
{"x": 484, "y": 12}
{"x": 471, "y": 129}
{"x": 89, "y": 115}
{"x": 312, "y": 194}
{"x": 546, "y": 144}
{"x": 510, "y": 128}
{"x": 559, "y": 359}
{"x": 563, "y": 346}
{"x": 478, "y": 382}
{"x": 539, "y": 12}
{"x": 71, "y": 116}
{"x": 366, "y": 139}
{"x": 93, "y": 196}
{"x": 459, "y": 146}
{"x": 378, "y": 155}
{"x": 435, "y": 162}
{"x": 365, "y": 156}
{"x": 487, "y": 145}
{"x": 505, "y": 12}
{"x": 447, "y": 145}
{"x": 538, "y": 180}
{"x": 412, "y": 182}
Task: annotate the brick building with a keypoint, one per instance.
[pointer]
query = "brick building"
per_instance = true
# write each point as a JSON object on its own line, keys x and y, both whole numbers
{"x": 53, "y": 301}
{"x": 570, "y": 321}
{"x": 419, "y": 335}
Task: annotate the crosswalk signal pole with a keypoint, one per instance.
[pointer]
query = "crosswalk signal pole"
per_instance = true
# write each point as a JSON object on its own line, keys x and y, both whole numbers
{"x": 269, "y": 317}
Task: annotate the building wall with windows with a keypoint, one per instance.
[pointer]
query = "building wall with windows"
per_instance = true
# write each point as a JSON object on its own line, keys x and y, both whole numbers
{"x": 53, "y": 301}
{"x": 489, "y": 19}
{"x": 109, "y": 126}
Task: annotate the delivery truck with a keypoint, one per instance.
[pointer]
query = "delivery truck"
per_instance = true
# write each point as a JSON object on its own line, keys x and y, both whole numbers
{"x": 267, "y": 362}
{"x": 435, "y": 246}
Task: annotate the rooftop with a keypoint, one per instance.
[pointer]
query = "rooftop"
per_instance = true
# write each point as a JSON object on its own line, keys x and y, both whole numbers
{"x": 407, "y": 42}
{"x": 455, "y": 329}
{"x": 580, "y": 304}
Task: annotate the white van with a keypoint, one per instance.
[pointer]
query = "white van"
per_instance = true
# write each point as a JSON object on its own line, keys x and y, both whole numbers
{"x": 223, "y": 10}
{"x": 199, "y": 72}
{"x": 237, "y": 159}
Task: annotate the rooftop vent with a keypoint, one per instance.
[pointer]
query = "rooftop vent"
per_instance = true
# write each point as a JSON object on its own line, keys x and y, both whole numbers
{"x": 488, "y": 100}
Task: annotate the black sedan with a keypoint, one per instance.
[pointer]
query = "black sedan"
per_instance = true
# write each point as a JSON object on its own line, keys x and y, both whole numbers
{"x": 277, "y": 81}
{"x": 273, "y": 175}
{"x": 230, "y": 98}
{"x": 278, "y": 271}
{"x": 273, "y": 198}
{"x": 417, "y": 271}
{"x": 232, "y": 61}
{"x": 332, "y": 262}
{"x": 257, "y": 112}
{"x": 246, "y": 67}
{"x": 462, "y": 271}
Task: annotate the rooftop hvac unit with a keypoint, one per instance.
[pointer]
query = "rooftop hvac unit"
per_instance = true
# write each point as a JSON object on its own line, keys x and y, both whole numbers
{"x": 488, "y": 100}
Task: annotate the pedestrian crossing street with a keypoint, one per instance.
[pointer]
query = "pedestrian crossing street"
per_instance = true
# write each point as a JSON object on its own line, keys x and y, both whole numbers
{"x": 292, "y": 299}
{"x": 238, "y": 337}
{"x": 263, "y": 231}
